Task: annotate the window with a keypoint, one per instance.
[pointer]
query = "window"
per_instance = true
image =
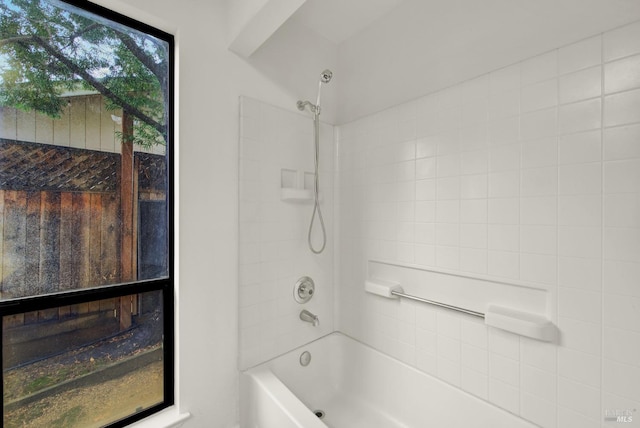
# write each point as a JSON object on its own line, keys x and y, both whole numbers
{"x": 86, "y": 216}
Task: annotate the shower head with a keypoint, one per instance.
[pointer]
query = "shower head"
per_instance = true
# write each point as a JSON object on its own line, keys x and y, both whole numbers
{"x": 326, "y": 75}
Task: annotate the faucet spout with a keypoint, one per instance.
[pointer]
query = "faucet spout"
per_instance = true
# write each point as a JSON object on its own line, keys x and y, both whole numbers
{"x": 307, "y": 316}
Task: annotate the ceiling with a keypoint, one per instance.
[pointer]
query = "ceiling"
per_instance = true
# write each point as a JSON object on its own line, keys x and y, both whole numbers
{"x": 392, "y": 51}
{"x": 338, "y": 20}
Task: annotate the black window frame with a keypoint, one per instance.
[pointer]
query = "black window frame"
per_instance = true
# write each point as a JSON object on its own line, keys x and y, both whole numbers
{"x": 164, "y": 285}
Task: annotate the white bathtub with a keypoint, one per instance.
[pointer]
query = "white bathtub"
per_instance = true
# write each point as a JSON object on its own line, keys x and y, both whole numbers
{"x": 357, "y": 387}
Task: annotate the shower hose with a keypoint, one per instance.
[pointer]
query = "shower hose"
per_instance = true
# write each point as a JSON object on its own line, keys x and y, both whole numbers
{"x": 316, "y": 187}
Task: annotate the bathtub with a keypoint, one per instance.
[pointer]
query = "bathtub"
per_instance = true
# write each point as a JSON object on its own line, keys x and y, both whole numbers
{"x": 350, "y": 385}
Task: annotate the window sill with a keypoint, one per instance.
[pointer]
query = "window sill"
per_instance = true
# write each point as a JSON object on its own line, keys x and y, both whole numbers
{"x": 169, "y": 418}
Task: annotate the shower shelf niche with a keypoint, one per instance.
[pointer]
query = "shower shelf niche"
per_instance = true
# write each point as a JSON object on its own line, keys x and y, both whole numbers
{"x": 296, "y": 185}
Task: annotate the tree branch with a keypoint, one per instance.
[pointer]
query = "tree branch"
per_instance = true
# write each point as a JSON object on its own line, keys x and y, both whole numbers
{"x": 16, "y": 39}
{"x": 142, "y": 56}
{"x": 80, "y": 32}
{"x": 127, "y": 107}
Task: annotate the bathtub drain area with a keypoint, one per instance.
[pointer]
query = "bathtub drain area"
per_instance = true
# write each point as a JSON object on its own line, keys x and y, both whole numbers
{"x": 347, "y": 411}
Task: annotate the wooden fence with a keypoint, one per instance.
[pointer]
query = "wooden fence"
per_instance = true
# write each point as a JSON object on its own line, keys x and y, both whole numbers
{"x": 55, "y": 241}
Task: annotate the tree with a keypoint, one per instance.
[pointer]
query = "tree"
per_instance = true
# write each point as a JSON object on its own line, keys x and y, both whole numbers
{"x": 50, "y": 48}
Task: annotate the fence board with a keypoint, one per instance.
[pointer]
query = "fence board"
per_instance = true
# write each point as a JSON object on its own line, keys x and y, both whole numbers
{"x": 108, "y": 304}
{"x": 30, "y": 318}
{"x": 110, "y": 243}
{"x": 67, "y": 256}
{"x": 48, "y": 314}
{"x": 32, "y": 247}
{"x": 50, "y": 242}
{"x": 49, "y": 280}
{"x": 13, "y": 258}
{"x": 12, "y": 321}
{"x": 64, "y": 312}
{"x": 95, "y": 226}
{"x": 81, "y": 239}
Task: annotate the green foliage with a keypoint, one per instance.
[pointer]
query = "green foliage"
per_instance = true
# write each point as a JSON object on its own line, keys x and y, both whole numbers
{"x": 47, "y": 49}
{"x": 38, "y": 384}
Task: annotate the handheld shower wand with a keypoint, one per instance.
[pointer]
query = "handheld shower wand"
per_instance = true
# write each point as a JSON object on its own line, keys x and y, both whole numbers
{"x": 325, "y": 77}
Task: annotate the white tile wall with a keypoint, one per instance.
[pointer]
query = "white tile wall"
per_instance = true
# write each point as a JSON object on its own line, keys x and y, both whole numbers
{"x": 273, "y": 233}
{"x": 530, "y": 173}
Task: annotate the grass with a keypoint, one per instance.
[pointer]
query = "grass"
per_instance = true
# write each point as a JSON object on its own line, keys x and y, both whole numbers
{"x": 38, "y": 384}
{"x": 69, "y": 418}
{"x": 46, "y": 381}
{"x": 30, "y": 413}
{"x": 92, "y": 405}
{"x": 24, "y": 382}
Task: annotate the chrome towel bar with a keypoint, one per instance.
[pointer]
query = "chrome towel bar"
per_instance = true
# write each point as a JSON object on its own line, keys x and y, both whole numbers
{"x": 442, "y": 305}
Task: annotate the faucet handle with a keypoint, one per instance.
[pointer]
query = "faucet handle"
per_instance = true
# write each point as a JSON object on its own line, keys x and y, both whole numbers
{"x": 304, "y": 289}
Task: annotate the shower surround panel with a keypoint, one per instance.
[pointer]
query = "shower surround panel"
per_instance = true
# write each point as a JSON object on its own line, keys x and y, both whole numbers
{"x": 273, "y": 233}
{"x": 528, "y": 174}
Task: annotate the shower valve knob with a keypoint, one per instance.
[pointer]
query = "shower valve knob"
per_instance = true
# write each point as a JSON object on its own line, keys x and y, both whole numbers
{"x": 304, "y": 290}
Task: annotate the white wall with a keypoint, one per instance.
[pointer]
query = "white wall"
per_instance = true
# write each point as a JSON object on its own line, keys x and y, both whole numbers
{"x": 530, "y": 173}
{"x": 240, "y": 13}
{"x": 274, "y": 252}
{"x": 209, "y": 84}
